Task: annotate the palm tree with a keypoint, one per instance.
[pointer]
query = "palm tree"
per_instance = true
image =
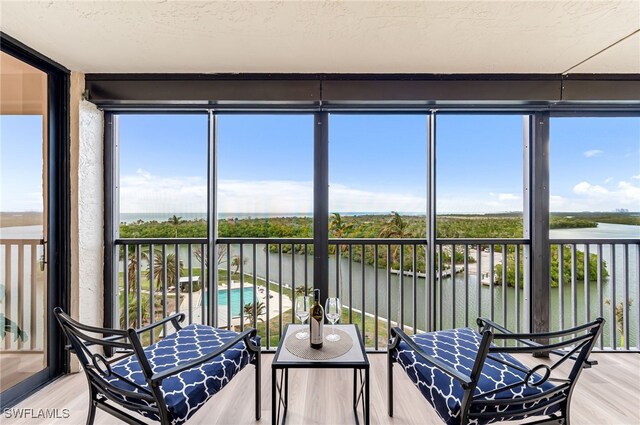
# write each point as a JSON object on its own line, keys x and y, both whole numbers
{"x": 145, "y": 310}
{"x": 235, "y": 262}
{"x": 158, "y": 269}
{"x": 339, "y": 229}
{"x": 300, "y": 292}
{"x": 175, "y": 221}
{"x": 620, "y": 317}
{"x": 132, "y": 266}
{"x": 395, "y": 227}
{"x": 248, "y": 311}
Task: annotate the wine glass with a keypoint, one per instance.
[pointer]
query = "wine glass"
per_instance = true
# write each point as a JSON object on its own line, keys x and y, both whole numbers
{"x": 303, "y": 305}
{"x": 333, "y": 311}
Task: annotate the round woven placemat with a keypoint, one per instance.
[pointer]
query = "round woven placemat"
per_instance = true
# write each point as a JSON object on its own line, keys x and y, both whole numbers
{"x": 329, "y": 350}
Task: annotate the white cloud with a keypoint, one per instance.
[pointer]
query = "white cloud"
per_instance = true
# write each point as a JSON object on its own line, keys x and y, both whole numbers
{"x": 508, "y": 197}
{"x": 608, "y": 180}
{"x": 593, "y": 152}
{"x": 557, "y": 202}
{"x": 143, "y": 192}
{"x": 505, "y": 196}
{"x": 479, "y": 203}
{"x": 276, "y": 196}
{"x": 630, "y": 192}
{"x": 586, "y": 188}
{"x": 345, "y": 199}
{"x": 592, "y": 197}
{"x": 637, "y": 177}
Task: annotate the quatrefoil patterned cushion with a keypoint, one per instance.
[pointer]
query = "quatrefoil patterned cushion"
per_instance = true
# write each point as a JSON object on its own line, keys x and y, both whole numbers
{"x": 187, "y": 391}
{"x": 458, "y": 348}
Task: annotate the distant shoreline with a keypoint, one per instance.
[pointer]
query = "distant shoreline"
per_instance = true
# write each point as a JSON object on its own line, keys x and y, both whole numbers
{"x": 32, "y": 218}
{"x": 629, "y": 218}
{"x": 20, "y": 218}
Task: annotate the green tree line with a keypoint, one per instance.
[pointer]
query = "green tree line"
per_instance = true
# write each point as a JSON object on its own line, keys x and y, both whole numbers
{"x": 555, "y": 268}
{"x": 394, "y": 226}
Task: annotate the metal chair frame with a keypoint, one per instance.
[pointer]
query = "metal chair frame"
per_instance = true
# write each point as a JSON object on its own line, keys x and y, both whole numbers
{"x": 578, "y": 347}
{"x": 108, "y": 397}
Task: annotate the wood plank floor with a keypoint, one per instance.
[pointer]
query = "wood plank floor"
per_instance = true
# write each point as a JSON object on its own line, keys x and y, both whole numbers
{"x": 606, "y": 394}
{"x": 16, "y": 367}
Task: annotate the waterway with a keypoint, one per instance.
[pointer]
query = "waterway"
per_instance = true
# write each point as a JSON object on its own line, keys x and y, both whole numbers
{"x": 460, "y": 296}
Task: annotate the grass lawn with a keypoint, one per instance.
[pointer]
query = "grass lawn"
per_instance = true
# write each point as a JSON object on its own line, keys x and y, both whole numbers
{"x": 274, "y": 322}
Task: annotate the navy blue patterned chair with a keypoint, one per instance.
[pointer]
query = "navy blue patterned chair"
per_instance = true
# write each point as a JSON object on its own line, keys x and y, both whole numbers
{"x": 471, "y": 379}
{"x": 167, "y": 381}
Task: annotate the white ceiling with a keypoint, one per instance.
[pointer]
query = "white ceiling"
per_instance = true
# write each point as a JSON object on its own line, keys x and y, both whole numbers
{"x": 330, "y": 36}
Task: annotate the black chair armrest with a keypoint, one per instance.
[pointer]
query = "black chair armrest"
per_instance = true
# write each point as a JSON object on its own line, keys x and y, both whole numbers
{"x": 528, "y": 339}
{"x": 157, "y": 378}
{"x": 112, "y": 341}
{"x": 176, "y": 319}
{"x": 464, "y": 380}
{"x": 106, "y": 342}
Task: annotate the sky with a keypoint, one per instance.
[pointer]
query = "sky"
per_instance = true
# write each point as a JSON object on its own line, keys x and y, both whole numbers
{"x": 595, "y": 164}
{"x": 21, "y": 163}
{"x": 377, "y": 163}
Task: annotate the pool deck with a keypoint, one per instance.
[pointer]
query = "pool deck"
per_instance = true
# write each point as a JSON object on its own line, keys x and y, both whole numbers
{"x": 274, "y": 309}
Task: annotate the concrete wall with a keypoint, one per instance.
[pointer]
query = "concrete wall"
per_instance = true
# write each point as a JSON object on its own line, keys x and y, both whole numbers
{"x": 87, "y": 207}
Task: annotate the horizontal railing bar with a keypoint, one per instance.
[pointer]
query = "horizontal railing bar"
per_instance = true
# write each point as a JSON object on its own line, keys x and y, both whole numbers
{"x": 358, "y": 241}
{"x": 262, "y": 241}
{"x": 167, "y": 241}
{"x": 412, "y": 241}
{"x": 350, "y": 241}
{"x": 484, "y": 241}
{"x": 21, "y": 241}
{"x": 378, "y": 241}
{"x": 628, "y": 241}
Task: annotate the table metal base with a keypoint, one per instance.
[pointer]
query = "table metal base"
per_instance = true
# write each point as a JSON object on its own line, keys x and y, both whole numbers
{"x": 280, "y": 394}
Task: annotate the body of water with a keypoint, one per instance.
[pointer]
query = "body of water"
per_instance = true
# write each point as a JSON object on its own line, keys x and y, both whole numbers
{"x": 234, "y": 296}
{"x": 21, "y": 232}
{"x": 459, "y": 296}
{"x": 603, "y": 231}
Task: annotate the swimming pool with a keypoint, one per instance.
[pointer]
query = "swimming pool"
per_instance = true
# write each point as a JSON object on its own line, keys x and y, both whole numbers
{"x": 235, "y": 299}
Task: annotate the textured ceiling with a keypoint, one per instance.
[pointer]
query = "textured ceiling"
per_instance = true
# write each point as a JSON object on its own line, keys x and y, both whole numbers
{"x": 330, "y": 36}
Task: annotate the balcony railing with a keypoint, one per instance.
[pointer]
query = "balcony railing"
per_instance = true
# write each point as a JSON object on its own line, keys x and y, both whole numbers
{"x": 381, "y": 282}
{"x": 22, "y": 293}
{"x": 601, "y": 277}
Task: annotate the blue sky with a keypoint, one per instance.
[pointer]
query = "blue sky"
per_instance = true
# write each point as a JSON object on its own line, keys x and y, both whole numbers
{"x": 377, "y": 163}
{"x": 21, "y": 163}
{"x": 595, "y": 164}
{"x": 479, "y": 163}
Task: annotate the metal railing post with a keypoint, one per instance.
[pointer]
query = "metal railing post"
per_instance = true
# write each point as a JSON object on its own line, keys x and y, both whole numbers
{"x": 321, "y": 204}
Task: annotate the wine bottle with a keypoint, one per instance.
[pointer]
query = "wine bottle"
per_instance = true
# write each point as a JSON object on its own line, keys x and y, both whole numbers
{"x": 317, "y": 321}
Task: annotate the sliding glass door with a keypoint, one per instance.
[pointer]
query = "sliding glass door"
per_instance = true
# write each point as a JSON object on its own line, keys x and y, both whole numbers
{"x": 23, "y": 143}
{"x": 33, "y": 230}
